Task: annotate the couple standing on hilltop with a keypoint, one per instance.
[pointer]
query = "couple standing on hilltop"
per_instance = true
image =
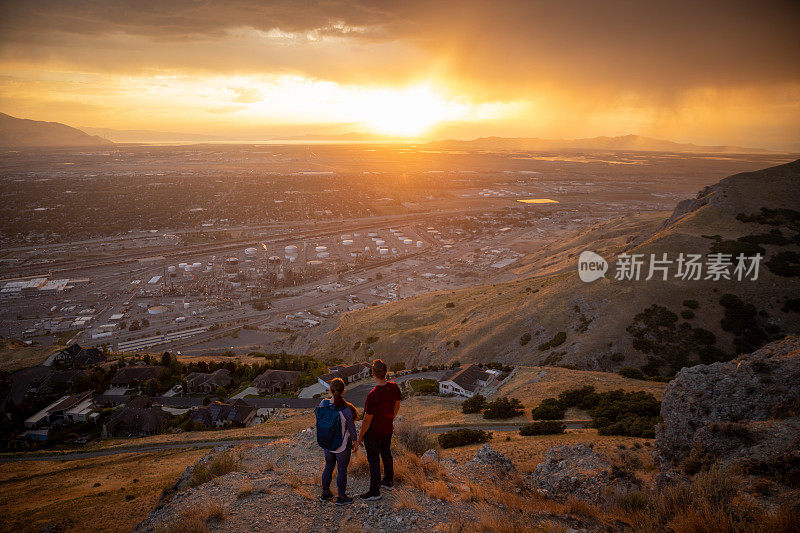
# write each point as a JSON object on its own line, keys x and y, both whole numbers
{"x": 336, "y": 433}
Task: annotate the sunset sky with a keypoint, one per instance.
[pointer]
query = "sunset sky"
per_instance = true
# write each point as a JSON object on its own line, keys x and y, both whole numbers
{"x": 725, "y": 72}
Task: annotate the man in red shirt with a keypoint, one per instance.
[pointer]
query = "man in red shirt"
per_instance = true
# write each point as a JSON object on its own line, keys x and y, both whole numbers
{"x": 383, "y": 402}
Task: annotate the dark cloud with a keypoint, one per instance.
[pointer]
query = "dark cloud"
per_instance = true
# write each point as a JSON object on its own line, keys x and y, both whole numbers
{"x": 654, "y": 44}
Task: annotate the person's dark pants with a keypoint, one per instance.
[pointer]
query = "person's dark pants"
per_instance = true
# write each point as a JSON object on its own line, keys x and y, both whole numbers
{"x": 379, "y": 449}
{"x": 340, "y": 461}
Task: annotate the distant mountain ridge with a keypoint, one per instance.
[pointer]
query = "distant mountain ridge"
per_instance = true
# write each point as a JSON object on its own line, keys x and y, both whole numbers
{"x": 622, "y": 143}
{"x": 24, "y": 133}
{"x": 152, "y": 136}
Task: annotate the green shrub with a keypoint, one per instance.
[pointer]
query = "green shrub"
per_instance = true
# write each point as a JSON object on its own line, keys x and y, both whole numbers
{"x": 473, "y": 405}
{"x": 557, "y": 340}
{"x": 463, "y": 437}
{"x": 613, "y": 413}
{"x": 634, "y": 414}
{"x": 688, "y": 314}
{"x": 786, "y": 263}
{"x": 703, "y": 336}
{"x": 525, "y": 339}
{"x": 632, "y": 373}
{"x": 548, "y": 427}
{"x": 791, "y": 305}
{"x": 449, "y": 305}
{"x": 549, "y": 409}
{"x": 691, "y": 304}
{"x": 503, "y": 408}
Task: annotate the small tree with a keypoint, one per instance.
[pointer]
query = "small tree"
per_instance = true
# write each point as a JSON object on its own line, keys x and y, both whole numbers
{"x": 503, "y": 408}
{"x": 151, "y": 388}
{"x": 549, "y": 409}
{"x": 473, "y": 405}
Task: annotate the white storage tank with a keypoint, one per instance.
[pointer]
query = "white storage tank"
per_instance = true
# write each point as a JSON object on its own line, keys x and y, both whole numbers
{"x": 291, "y": 257}
{"x": 372, "y": 234}
{"x": 323, "y": 255}
{"x": 182, "y": 265}
{"x": 383, "y": 251}
{"x": 171, "y": 269}
{"x": 250, "y": 251}
{"x": 321, "y": 248}
{"x": 195, "y": 266}
{"x": 290, "y": 249}
{"x": 380, "y": 242}
{"x": 408, "y": 242}
{"x": 419, "y": 244}
{"x": 347, "y": 242}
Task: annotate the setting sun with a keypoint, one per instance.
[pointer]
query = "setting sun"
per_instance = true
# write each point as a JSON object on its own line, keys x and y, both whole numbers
{"x": 408, "y": 112}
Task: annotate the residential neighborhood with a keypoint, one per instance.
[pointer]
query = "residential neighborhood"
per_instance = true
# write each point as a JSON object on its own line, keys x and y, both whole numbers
{"x": 81, "y": 394}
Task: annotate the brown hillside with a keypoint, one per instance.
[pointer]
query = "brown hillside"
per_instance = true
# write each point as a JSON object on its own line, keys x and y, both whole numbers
{"x": 547, "y": 296}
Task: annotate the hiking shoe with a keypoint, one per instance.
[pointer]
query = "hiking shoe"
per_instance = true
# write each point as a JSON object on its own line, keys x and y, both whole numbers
{"x": 344, "y": 501}
{"x": 370, "y": 496}
{"x": 326, "y": 496}
{"x": 387, "y": 486}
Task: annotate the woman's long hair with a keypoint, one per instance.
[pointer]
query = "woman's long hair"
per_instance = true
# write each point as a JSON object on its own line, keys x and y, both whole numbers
{"x": 337, "y": 390}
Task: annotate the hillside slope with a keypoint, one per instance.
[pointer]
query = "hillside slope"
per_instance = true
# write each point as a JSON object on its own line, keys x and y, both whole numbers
{"x": 24, "y": 133}
{"x": 595, "y": 325}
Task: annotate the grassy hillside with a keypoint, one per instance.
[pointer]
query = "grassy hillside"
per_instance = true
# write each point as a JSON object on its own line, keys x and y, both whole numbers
{"x": 15, "y": 356}
{"x": 569, "y": 322}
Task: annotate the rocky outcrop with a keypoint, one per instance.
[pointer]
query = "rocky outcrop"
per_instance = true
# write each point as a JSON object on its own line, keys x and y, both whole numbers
{"x": 580, "y": 472}
{"x": 746, "y": 411}
{"x": 488, "y": 457}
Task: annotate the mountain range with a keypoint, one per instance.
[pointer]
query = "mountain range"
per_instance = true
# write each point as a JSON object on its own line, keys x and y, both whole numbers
{"x": 24, "y": 133}
{"x": 16, "y": 132}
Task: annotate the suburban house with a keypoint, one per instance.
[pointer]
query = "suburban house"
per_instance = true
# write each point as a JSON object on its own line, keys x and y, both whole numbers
{"x": 75, "y": 356}
{"x": 465, "y": 381}
{"x": 131, "y": 376}
{"x": 68, "y": 409}
{"x": 56, "y": 381}
{"x": 348, "y": 373}
{"x": 276, "y": 381}
{"x": 137, "y": 419}
{"x": 218, "y": 414}
{"x": 207, "y": 383}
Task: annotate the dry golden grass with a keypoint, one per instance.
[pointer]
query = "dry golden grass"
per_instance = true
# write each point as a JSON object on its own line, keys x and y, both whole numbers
{"x": 298, "y": 420}
{"x": 556, "y": 380}
{"x": 222, "y": 464}
{"x": 15, "y": 356}
{"x": 713, "y": 502}
{"x": 528, "y": 452}
{"x": 294, "y": 481}
{"x": 244, "y": 490}
{"x": 194, "y": 518}
{"x": 359, "y": 465}
{"x": 404, "y": 499}
{"x": 38, "y": 493}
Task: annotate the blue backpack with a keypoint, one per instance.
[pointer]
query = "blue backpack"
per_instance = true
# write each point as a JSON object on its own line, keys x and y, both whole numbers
{"x": 330, "y": 427}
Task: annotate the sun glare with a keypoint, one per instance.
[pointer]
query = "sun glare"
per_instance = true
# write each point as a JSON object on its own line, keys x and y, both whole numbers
{"x": 408, "y": 112}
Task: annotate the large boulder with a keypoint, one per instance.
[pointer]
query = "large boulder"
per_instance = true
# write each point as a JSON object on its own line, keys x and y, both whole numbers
{"x": 746, "y": 411}
{"x": 489, "y": 457}
{"x": 580, "y": 472}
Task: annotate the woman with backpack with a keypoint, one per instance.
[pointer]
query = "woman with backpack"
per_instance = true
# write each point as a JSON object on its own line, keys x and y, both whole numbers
{"x": 336, "y": 433}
